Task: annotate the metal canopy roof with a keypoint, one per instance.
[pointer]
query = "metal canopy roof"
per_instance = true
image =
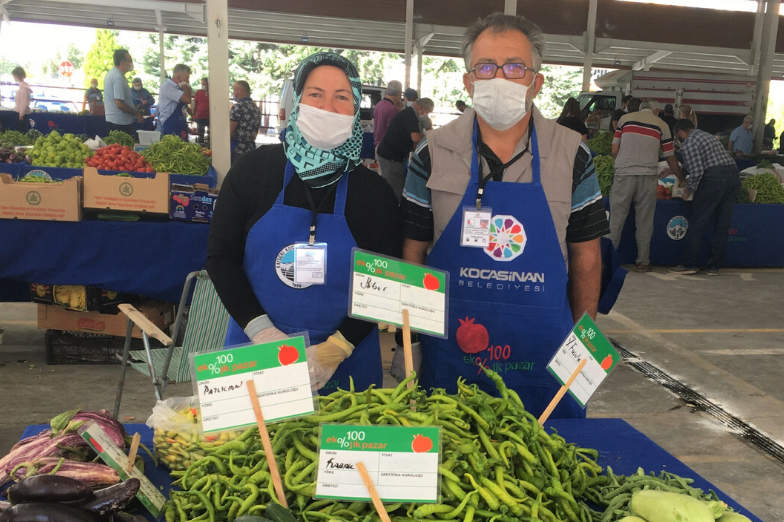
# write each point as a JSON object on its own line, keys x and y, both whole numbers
{"x": 627, "y": 34}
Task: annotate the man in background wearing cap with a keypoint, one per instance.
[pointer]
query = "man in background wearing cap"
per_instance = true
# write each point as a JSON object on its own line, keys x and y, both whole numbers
{"x": 142, "y": 99}
{"x": 668, "y": 117}
{"x": 385, "y": 110}
{"x": 410, "y": 95}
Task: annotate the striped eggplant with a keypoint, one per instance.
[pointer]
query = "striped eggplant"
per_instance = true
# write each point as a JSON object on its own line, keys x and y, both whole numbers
{"x": 92, "y": 474}
{"x": 38, "y": 446}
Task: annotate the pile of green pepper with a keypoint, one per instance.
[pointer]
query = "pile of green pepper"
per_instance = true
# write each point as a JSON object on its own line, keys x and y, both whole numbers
{"x": 176, "y": 156}
{"x": 497, "y": 462}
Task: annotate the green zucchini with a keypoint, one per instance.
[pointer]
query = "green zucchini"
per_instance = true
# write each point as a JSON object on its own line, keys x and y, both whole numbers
{"x": 278, "y": 513}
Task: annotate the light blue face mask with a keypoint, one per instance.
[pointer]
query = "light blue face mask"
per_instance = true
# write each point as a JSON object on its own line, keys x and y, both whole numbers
{"x": 317, "y": 167}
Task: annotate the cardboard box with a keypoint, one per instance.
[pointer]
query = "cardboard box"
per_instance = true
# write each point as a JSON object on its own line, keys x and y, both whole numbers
{"x": 60, "y": 201}
{"x": 124, "y": 193}
{"x": 51, "y": 317}
{"x": 192, "y": 203}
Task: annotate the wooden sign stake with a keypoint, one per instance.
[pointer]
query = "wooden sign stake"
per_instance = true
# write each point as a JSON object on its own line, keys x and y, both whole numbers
{"x": 265, "y": 441}
{"x": 561, "y": 392}
{"x": 382, "y": 512}
{"x": 134, "y": 449}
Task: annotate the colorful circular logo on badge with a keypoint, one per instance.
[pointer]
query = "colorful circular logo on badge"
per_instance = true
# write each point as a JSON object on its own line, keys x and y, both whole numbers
{"x": 677, "y": 227}
{"x": 284, "y": 267}
{"x": 507, "y": 238}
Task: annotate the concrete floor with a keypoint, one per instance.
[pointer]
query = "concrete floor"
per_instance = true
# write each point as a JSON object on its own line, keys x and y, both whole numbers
{"x": 723, "y": 336}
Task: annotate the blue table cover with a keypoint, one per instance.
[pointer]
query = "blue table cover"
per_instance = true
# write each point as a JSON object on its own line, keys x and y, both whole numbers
{"x": 18, "y": 170}
{"x": 368, "y": 149}
{"x": 756, "y": 238}
{"x": 146, "y": 258}
{"x": 64, "y": 122}
{"x": 620, "y": 446}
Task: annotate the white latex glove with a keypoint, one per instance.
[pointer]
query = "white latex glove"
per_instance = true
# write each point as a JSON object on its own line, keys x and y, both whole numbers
{"x": 268, "y": 335}
{"x": 398, "y": 369}
{"x": 324, "y": 359}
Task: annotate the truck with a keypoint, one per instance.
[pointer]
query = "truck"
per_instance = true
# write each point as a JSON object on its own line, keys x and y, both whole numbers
{"x": 720, "y": 101}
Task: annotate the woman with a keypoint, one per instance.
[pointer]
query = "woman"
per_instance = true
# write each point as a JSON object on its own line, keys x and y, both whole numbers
{"x": 687, "y": 113}
{"x": 22, "y": 100}
{"x": 312, "y": 189}
{"x": 571, "y": 117}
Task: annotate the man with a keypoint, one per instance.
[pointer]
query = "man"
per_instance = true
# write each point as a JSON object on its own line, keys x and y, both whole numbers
{"x": 668, "y": 117}
{"x": 93, "y": 98}
{"x": 142, "y": 99}
{"x": 625, "y": 102}
{"x": 769, "y": 134}
{"x": 174, "y": 98}
{"x": 201, "y": 109}
{"x": 460, "y": 105}
{"x": 640, "y": 138}
{"x": 118, "y": 106}
{"x": 410, "y": 95}
{"x": 399, "y": 141}
{"x": 385, "y": 110}
{"x": 712, "y": 176}
{"x": 245, "y": 119}
{"x": 531, "y": 262}
{"x": 741, "y": 140}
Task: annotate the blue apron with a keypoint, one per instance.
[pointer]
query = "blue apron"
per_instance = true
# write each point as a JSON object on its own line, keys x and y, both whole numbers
{"x": 508, "y": 307}
{"x": 317, "y": 309}
{"x": 176, "y": 123}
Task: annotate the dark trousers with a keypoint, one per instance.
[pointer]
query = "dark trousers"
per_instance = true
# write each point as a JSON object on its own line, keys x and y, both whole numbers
{"x": 128, "y": 129}
{"x": 22, "y": 125}
{"x": 201, "y": 126}
{"x": 712, "y": 212}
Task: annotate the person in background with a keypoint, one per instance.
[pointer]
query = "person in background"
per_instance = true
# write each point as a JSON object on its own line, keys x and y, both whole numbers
{"x": 571, "y": 117}
{"x": 22, "y": 100}
{"x": 687, "y": 113}
{"x": 175, "y": 96}
{"x": 712, "y": 176}
{"x": 741, "y": 139}
{"x": 272, "y": 197}
{"x": 769, "y": 135}
{"x": 625, "y": 102}
{"x": 245, "y": 118}
{"x": 120, "y": 112}
{"x": 641, "y": 137}
{"x": 385, "y": 110}
{"x": 410, "y": 96}
{"x": 539, "y": 184}
{"x": 668, "y": 117}
{"x": 402, "y": 136}
{"x": 142, "y": 99}
{"x": 615, "y": 118}
{"x": 93, "y": 98}
{"x": 201, "y": 109}
{"x": 425, "y": 123}
{"x": 460, "y": 105}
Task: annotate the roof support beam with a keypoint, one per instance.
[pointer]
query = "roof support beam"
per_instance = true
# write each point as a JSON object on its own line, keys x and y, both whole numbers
{"x": 409, "y": 36}
{"x": 161, "y": 49}
{"x": 756, "y": 41}
{"x": 645, "y": 63}
{"x": 767, "y": 51}
{"x": 218, "y": 61}
{"x": 590, "y": 42}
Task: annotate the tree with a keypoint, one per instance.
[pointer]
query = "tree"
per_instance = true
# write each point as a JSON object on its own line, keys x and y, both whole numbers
{"x": 100, "y": 57}
{"x": 74, "y": 55}
{"x": 560, "y": 83}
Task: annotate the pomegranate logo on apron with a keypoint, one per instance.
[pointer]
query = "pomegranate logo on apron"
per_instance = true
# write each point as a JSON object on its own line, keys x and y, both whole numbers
{"x": 507, "y": 238}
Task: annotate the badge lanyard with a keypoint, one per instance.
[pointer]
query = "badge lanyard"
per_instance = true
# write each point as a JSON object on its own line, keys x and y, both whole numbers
{"x": 475, "y": 231}
{"x": 310, "y": 259}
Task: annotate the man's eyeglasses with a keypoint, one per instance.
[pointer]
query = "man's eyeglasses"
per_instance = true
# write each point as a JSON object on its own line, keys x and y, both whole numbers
{"x": 512, "y": 71}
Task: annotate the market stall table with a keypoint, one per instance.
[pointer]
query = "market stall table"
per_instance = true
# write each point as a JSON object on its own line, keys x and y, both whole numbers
{"x": 146, "y": 257}
{"x": 620, "y": 446}
{"x": 64, "y": 122}
{"x": 755, "y": 239}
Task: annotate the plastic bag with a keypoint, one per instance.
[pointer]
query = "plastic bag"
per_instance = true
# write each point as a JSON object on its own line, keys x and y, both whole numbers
{"x": 95, "y": 143}
{"x": 178, "y": 437}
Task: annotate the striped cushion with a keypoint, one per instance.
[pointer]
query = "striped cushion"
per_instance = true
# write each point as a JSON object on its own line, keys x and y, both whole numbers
{"x": 204, "y": 332}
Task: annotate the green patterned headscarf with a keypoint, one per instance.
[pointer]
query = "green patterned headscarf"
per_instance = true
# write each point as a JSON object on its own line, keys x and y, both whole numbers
{"x": 316, "y": 167}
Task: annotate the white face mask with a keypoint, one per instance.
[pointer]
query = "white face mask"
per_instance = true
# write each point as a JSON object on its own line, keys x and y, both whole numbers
{"x": 324, "y": 130}
{"x": 409, "y": 104}
{"x": 500, "y": 102}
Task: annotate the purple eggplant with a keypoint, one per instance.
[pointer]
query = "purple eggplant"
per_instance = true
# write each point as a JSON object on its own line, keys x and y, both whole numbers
{"x": 36, "y": 447}
{"x": 75, "y": 420}
{"x": 112, "y": 498}
{"x": 49, "y": 488}
{"x": 47, "y": 512}
{"x": 94, "y": 474}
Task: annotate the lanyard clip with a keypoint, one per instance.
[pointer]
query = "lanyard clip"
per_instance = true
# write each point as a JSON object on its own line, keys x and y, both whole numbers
{"x": 479, "y": 194}
{"x": 312, "y": 238}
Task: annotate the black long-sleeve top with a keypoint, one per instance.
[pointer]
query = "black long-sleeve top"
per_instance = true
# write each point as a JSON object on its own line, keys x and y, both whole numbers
{"x": 250, "y": 190}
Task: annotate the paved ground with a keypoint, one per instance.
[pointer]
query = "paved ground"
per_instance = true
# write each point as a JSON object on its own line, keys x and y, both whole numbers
{"x": 723, "y": 336}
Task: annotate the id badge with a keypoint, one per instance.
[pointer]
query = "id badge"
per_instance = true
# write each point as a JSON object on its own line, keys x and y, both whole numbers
{"x": 310, "y": 263}
{"x": 475, "y": 231}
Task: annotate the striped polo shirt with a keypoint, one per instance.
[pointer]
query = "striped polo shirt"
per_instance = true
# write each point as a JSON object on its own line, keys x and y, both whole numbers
{"x": 643, "y": 137}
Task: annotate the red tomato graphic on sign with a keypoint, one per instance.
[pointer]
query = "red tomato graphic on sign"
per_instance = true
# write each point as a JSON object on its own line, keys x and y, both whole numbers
{"x": 421, "y": 444}
{"x": 431, "y": 282}
{"x": 472, "y": 337}
{"x": 607, "y": 362}
{"x": 287, "y": 354}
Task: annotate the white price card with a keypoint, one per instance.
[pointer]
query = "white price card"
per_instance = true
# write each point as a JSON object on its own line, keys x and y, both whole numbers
{"x": 585, "y": 341}
{"x": 382, "y": 287}
{"x": 310, "y": 264}
{"x": 278, "y": 369}
{"x": 116, "y": 459}
{"x": 476, "y": 227}
{"x": 402, "y": 462}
